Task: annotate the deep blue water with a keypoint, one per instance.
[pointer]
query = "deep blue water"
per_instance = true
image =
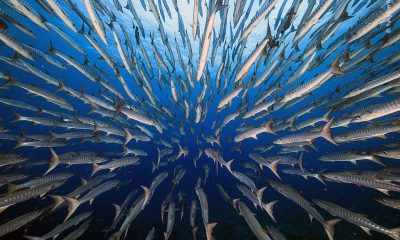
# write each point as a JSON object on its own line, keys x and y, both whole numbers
{"x": 293, "y": 222}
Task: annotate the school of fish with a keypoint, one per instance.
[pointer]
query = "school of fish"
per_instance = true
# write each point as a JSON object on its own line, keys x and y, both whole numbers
{"x": 271, "y": 82}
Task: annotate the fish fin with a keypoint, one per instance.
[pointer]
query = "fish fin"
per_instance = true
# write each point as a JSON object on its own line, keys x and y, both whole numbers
{"x": 54, "y": 161}
{"x": 311, "y": 217}
{"x": 300, "y": 162}
{"x": 83, "y": 181}
{"x": 268, "y": 127}
{"x": 335, "y": 69}
{"x": 395, "y": 233}
{"x": 384, "y": 191}
{"x": 210, "y": 227}
{"x": 273, "y": 166}
{"x": 146, "y": 195}
{"x": 330, "y": 227}
{"x": 3, "y": 208}
{"x": 326, "y": 132}
{"x": 91, "y": 201}
{"x": 260, "y": 193}
{"x": 382, "y": 136}
{"x": 96, "y": 168}
{"x": 116, "y": 236}
{"x": 269, "y": 208}
{"x": 229, "y": 165}
{"x": 367, "y": 230}
{"x": 377, "y": 160}
{"x": 117, "y": 210}
{"x": 234, "y": 202}
{"x": 11, "y": 188}
{"x": 128, "y": 136}
{"x": 31, "y": 237}
{"x": 58, "y": 200}
{"x": 73, "y": 204}
{"x": 320, "y": 178}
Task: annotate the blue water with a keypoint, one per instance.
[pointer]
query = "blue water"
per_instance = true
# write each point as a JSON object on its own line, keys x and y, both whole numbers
{"x": 292, "y": 221}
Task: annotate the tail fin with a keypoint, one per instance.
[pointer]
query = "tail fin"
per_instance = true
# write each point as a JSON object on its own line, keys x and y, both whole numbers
{"x": 335, "y": 70}
{"x": 326, "y": 116}
{"x": 158, "y": 156}
{"x": 326, "y": 132}
{"x": 125, "y": 151}
{"x": 301, "y": 162}
{"x": 128, "y": 136}
{"x": 260, "y": 193}
{"x": 377, "y": 160}
{"x": 153, "y": 167}
{"x": 116, "y": 236}
{"x": 194, "y": 231}
{"x": 53, "y": 136}
{"x": 146, "y": 196}
{"x": 395, "y": 233}
{"x": 54, "y": 161}
{"x": 229, "y": 165}
{"x": 210, "y": 227}
{"x": 117, "y": 211}
{"x": 269, "y": 208}
{"x": 273, "y": 166}
{"x": 31, "y": 237}
{"x": 268, "y": 127}
{"x": 73, "y": 204}
{"x": 96, "y": 168}
{"x": 11, "y": 188}
{"x": 330, "y": 227}
{"x": 58, "y": 200}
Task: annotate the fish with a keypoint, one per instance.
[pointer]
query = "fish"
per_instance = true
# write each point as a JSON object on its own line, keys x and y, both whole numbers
{"x": 356, "y": 219}
{"x": 207, "y": 39}
{"x": 204, "y": 211}
{"x": 252, "y": 221}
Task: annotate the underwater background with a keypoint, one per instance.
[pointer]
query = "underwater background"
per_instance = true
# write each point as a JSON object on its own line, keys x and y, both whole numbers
{"x": 291, "y": 220}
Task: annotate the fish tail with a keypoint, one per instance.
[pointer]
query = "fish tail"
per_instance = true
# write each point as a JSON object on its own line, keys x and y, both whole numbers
{"x": 31, "y": 237}
{"x": 326, "y": 132}
{"x": 54, "y": 161}
{"x": 229, "y": 165}
{"x": 11, "y": 188}
{"x": 268, "y": 127}
{"x": 57, "y": 202}
{"x": 300, "y": 162}
{"x": 153, "y": 167}
{"x": 395, "y": 233}
{"x": 260, "y": 193}
{"x": 52, "y": 49}
{"x": 210, "y": 227}
{"x": 95, "y": 169}
{"x": 377, "y": 160}
{"x": 269, "y": 208}
{"x": 73, "y": 204}
{"x": 116, "y": 236}
{"x": 10, "y": 81}
{"x": 273, "y": 166}
{"x": 146, "y": 195}
{"x": 330, "y": 227}
{"x": 194, "y": 231}
{"x": 128, "y": 136}
{"x": 335, "y": 69}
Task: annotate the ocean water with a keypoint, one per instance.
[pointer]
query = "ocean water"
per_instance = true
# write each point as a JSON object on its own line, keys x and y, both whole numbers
{"x": 291, "y": 219}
